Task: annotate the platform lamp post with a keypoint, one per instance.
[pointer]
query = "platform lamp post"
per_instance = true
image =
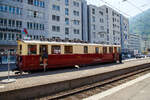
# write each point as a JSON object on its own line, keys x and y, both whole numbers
{"x": 8, "y": 80}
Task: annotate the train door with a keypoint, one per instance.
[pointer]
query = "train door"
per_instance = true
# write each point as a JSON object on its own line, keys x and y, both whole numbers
{"x": 43, "y": 54}
{"x": 115, "y": 53}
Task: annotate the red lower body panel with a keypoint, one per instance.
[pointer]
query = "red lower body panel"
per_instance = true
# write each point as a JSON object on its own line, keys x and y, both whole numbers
{"x": 32, "y": 62}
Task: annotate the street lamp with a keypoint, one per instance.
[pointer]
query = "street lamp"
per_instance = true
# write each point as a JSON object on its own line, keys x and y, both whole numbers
{"x": 8, "y": 80}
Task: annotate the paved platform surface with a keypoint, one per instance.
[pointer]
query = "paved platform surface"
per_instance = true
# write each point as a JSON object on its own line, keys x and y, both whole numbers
{"x": 137, "y": 89}
{"x": 37, "y": 79}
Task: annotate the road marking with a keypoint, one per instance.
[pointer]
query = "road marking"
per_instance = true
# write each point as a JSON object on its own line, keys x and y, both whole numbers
{"x": 115, "y": 89}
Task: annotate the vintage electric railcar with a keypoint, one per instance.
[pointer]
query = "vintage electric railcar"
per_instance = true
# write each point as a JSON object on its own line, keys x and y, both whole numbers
{"x": 63, "y": 54}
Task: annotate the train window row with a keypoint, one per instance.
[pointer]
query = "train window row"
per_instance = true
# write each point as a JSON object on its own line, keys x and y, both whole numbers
{"x": 59, "y": 49}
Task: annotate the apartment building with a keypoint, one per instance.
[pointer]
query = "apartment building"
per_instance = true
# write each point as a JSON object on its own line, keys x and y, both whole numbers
{"x": 18, "y": 17}
{"x": 124, "y": 28}
{"x": 65, "y": 19}
{"x": 134, "y": 43}
{"x": 96, "y": 24}
{"x": 112, "y": 18}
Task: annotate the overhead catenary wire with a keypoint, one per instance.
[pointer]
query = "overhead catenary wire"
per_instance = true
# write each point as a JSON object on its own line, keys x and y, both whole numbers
{"x": 116, "y": 8}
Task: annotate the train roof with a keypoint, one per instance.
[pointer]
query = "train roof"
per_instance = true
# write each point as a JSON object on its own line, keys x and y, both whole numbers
{"x": 65, "y": 43}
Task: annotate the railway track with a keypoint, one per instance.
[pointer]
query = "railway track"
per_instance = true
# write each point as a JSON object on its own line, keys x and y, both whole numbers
{"x": 92, "y": 89}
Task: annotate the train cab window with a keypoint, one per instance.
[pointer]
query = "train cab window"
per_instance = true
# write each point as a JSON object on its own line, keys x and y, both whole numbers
{"x": 85, "y": 49}
{"x": 32, "y": 49}
{"x": 104, "y": 49}
{"x": 56, "y": 49}
{"x": 96, "y": 50}
{"x": 118, "y": 49}
{"x": 68, "y": 49}
{"x": 110, "y": 49}
{"x": 20, "y": 49}
{"x": 115, "y": 49}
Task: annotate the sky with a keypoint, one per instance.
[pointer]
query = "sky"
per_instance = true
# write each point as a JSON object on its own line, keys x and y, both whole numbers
{"x": 128, "y": 8}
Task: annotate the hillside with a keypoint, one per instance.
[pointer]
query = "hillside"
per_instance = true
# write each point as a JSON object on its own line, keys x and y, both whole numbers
{"x": 141, "y": 23}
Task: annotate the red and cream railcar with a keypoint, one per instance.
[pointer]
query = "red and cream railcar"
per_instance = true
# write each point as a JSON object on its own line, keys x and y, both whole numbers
{"x": 63, "y": 54}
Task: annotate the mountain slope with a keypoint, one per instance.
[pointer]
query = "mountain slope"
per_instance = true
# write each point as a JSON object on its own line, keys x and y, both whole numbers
{"x": 141, "y": 23}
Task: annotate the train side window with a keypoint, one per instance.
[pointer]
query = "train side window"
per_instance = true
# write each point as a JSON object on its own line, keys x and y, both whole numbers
{"x": 56, "y": 49}
{"x": 85, "y": 49}
{"x": 104, "y": 49}
{"x": 68, "y": 49}
{"x": 32, "y": 49}
{"x": 96, "y": 50}
{"x": 110, "y": 49}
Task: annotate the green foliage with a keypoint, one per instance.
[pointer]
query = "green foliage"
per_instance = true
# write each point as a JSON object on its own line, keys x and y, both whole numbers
{"x": 141, "y": 23}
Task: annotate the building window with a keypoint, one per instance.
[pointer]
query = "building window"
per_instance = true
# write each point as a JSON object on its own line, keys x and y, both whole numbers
{"x": 76, "y": 13}
{"x": 10, "y": 9}
{"x": 94, "y": 27}
{"x": 55, "y": 7}
{"x": 5, "y": 22}
{"x": 106, "y": 10}
{"x": 55, "y": 18}
{"x": 30, "y": 2}
{"x": 101, "y": 13}
{"x": 13, "y": 36}
{"x": 56, "y": 28}
{"x": 1, "y": 36}
{"x": 30, "y": 25}
{"x": 1, "y": 22}
{"x": 93, "y": 18}
{"x": 13, "y": 23}
{"x": 35, "y": 14}
{"x": 76, "y": 3}
{"x": 66, "y": 11}
{"x": 5, "y": 36}
{"x": 66, "y": 2}
{"x": 67, "y": 21}
{"x": 76, "y": 31}
{"x": 9, "y": 22}
{"x": 66, "y": 30}
{"x": 9, "y": 36}
{"x": 76, "y": 22}
{"x": 93, "y": 11}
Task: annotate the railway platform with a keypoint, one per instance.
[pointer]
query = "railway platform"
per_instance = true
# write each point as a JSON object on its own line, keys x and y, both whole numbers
{"x": 137, "y": 89}
{"x": 46, "y": 83}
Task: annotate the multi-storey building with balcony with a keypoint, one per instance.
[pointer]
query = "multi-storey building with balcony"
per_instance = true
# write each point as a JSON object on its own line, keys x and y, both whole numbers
{"x": 96, "y": 24}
